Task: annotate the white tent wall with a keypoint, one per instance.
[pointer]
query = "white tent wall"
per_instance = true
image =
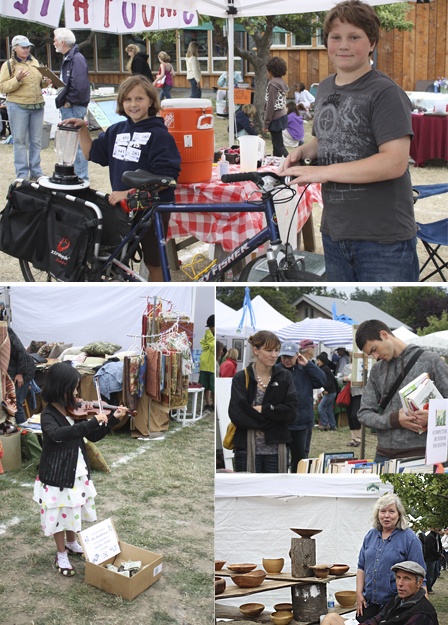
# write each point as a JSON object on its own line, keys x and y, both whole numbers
{"x": 254, "y": 514}
{"x": 81, "y": 314}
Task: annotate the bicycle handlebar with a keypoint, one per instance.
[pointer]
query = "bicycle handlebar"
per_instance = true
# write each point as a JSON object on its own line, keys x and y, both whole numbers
{"x": 251, "y": 176}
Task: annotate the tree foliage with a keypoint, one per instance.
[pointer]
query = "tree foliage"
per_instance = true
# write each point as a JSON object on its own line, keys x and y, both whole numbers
{"x": 424, "y": 496}
{"x": 414, "y": 305}
{"x": 435, "y": 324}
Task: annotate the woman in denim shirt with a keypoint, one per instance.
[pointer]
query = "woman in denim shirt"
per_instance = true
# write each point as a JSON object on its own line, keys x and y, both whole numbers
{"x": 389, "y": 542}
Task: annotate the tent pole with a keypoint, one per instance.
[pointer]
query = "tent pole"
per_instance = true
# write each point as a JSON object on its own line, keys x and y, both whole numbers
{"x": 231, "y": 67}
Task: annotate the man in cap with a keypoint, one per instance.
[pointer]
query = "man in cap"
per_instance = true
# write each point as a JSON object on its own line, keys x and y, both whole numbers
{"x": 207, "y": 364}
{"x": 409, "y": 607}
{"x": 306, "y": 376}
{"x": 74, "y": 98}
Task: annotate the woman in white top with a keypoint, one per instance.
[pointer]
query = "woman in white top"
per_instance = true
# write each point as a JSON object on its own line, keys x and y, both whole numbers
{"x": 303, "y": 98}
{"x": 193, "y": 70}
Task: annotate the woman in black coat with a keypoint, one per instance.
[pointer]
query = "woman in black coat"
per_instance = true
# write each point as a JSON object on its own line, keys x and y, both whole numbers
{"x": 263, "y": 403}
{"x": 325, "y": 408}
{"x": 138, "y": 62}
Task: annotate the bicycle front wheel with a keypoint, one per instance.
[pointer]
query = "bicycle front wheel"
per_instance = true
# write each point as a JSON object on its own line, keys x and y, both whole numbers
{"x": 257, "y": 271}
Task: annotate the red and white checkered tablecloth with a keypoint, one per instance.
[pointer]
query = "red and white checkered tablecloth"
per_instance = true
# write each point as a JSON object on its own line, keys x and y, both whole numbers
{"x": 228, "y": 229}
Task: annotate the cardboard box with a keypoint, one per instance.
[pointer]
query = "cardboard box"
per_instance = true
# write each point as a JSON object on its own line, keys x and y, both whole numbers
{"x": 12, "y": 456}
{"x": 107, "y": 540}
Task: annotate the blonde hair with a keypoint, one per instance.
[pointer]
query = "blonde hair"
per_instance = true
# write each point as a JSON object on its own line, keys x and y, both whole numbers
{"x": 164, "y": 57}
{"x": 193, "y": 49}
{"x": 232, "y": 354}
{"x": 134, "y": 49}
{"x": 390, "y": 499}
{"x": 136, "y": 81}
{"x": 250, "y": 110}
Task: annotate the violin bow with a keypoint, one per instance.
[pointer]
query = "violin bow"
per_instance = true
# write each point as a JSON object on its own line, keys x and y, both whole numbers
{"x": 98, "y": 394}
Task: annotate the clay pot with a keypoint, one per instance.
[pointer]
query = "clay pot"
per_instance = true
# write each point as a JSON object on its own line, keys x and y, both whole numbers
{"x": 283, "y": 607}
{"x": 219, "y": 564}
{"x": 241, "y": 568}
{"x": 281, "y": 618}
{"x": 249, "y": 580}
{"x": 321, "y": 570}
{"x": 251, "y": 609}
{"x": 220, "y": 585}
{"x": 339, "y": 569}
{"x": 273, "y": 565}
{"x": 345, "y": 598}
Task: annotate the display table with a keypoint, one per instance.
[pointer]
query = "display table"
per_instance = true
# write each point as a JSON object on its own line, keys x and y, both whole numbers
{"x": 184, "y": 415}
{"x": 430, "y": 138}
{"x": 231, "y": 229}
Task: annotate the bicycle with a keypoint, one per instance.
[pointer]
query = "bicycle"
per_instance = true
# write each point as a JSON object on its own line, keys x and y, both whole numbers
{"x": 114, "y": 262}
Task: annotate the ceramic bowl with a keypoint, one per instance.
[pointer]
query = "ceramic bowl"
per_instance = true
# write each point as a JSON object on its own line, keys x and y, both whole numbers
{"x": 219, "y": 564}
{"x": 220, "y": 585}
{"x": 249, "y": 580}
{"x": 321, "y": 570}
{"x": 273, "y": 565}
{"x": 281, "y": 607}
{"x": 345, "y": 598}
{"x": 251, "y": 609}
{"x": 304, "y": 533}
{"x": 281, "y": 618}
{"x": 339, "y": 569}
{"x": 241, "y": 568}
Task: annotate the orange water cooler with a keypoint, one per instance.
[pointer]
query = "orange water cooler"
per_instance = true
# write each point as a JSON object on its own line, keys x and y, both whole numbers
{"x": 190, "y": 121}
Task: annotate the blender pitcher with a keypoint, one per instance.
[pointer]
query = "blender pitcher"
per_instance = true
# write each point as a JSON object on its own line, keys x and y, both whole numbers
{"x": 66, "y": 141}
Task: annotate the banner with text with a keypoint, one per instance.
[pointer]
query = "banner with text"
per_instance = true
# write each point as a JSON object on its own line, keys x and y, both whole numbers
{"x": 114, "y": 16}
{"x": 121, "y": 16}
{"x": 42, "y": 11}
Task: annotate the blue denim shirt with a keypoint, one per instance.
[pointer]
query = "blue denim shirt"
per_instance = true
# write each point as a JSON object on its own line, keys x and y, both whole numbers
{"x": 378, "y": 555}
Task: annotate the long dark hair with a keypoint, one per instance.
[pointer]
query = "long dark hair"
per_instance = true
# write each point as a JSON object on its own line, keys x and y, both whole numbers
{"x": 60, "y": 384}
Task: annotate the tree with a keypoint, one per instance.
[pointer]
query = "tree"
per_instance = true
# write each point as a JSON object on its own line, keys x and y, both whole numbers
{"x": 412, "y": 306}
{"x": 424, "y": 496}
{"x": 261, "y": 29}
{"x": 435, "y": 324}
{"x": 377, "y": 297}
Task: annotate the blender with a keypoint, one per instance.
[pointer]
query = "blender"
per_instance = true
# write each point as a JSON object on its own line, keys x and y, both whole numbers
{"x": 66, "y": 141}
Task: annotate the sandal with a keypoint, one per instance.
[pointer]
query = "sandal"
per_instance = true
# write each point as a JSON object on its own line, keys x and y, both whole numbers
{"x": 74, "y": 553}
{"x": 354, "y": 443}
{"x": 65, "y": 572}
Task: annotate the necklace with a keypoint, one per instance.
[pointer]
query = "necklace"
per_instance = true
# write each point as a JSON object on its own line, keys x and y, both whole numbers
{"x": 259, "y": 380}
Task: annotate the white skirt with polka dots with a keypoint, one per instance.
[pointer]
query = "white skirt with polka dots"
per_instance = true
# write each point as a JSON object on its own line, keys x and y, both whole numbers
{"x": 64, "y": 509}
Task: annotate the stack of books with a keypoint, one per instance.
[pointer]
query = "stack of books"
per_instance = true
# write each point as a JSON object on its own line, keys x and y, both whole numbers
{"x": 344, "y": 462}
{"x": 416, "y": 395}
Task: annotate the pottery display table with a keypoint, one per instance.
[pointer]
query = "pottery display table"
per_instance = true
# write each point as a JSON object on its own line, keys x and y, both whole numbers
{"x": 275, "y": 582}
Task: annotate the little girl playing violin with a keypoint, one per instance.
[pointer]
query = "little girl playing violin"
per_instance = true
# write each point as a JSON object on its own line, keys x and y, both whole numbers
{"x": 63, "y": 488}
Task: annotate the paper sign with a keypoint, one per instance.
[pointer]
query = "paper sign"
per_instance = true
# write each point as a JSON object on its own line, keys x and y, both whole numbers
{"x": 100, "y": 542}
{"x": 437, "y": 439}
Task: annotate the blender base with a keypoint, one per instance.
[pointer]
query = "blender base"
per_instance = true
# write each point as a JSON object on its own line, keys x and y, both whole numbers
{"x": 46, "y": 181}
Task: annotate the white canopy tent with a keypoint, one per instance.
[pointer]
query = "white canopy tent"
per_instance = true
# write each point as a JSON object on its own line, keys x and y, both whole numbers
{"x": 254, "y": 514}
{"x": 81, "y": 314}
{"x": 323, "y": 331}
{"x": 431, "y": 342}
{"x": 265, "y": 316}
{"x": 404, "y": 334}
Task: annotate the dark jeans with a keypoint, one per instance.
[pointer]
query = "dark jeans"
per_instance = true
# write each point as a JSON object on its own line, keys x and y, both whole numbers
{"x": 195, "y": 91}
{"x": 431, "y": 574}
{"x": 263, "y": 463}
{"x": 352, "y": 412}
{"x": 299, "y": 446}
{"x": 21, "y": 393}
{"x": 369, "y": 612}
{"x": 277, "y": 143}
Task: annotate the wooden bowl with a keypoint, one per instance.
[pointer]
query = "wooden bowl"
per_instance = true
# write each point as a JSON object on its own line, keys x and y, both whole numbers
{"x": 251, "y": 609}
{"x": 249, "y": 580}
{"x": 241, "y": 568}
{"x": 281, "y": 618}
{"x": 273, "y": 565}
{"x": 219, "y": 564}
{"x": 321, "y": 570}
{"x": 281, "y": 607}
{"x": 339, "y": 569}
{"x": 220, "y": 585}
{"x": 345, "y": 598}
{"x": 305, "y": 533}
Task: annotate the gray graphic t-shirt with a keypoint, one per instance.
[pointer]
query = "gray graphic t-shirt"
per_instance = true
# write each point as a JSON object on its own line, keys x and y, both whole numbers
{"x": 350, "y": 123}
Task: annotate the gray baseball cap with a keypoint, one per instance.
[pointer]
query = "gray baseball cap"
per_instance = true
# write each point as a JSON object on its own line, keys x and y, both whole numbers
{"x": 410, "y": 567}
{"x": 289, "y": 348}
{"x": 21, "y": 40}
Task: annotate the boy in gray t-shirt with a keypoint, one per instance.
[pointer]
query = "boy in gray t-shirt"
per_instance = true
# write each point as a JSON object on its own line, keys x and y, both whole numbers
{"x": 362, "y": 133}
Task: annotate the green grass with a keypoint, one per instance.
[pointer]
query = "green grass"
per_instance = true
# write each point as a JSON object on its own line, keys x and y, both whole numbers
{"x": 161, "y": 500}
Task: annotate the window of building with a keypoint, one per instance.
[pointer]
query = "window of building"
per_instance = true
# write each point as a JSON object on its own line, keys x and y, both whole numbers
{"x": 162, "y": 46}
{"x": 87, "y": 51}
{"x": 302, "y": 36}
{"x": 107, "y": 52}
{"x": 279, "y": 39}
{"x": 201, "y": 38}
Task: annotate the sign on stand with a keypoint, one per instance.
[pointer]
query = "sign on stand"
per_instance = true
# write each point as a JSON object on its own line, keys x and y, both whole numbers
{"x": 437, "y": 439}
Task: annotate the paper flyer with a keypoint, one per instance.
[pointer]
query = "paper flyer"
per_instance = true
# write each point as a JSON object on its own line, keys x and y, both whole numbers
{"x": 437, "y": 439}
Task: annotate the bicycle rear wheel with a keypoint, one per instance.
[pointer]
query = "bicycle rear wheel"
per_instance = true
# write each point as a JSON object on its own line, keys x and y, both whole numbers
{"x": 257, "y": 271}
{"x": 32, "y": 274}
{"x": 115, "y": 274}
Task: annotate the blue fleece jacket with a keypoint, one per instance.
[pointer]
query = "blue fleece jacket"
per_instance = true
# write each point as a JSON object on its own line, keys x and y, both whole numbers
{"x": 75, "y": 75}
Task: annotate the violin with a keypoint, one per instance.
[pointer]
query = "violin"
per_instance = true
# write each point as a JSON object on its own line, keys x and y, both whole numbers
{"x": 87, "y": 409}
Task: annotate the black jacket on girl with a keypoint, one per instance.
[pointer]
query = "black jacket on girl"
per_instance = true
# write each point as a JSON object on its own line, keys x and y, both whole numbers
{"x": 279, "y": 409}
{"x": 61, "y": 442}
